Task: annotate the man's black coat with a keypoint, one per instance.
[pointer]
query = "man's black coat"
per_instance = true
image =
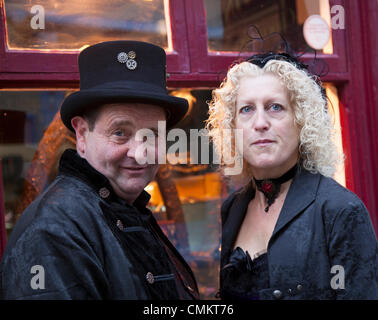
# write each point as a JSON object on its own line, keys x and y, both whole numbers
{"x": 91, "y": 245}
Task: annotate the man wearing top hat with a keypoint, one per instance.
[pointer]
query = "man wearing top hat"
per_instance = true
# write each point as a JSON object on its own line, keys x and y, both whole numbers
{"x": 90, "y": 235}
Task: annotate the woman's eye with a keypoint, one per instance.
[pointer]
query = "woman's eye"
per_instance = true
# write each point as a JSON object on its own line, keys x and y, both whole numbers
{"x": 245, "y": 109}
{"x": 276, "y": 107}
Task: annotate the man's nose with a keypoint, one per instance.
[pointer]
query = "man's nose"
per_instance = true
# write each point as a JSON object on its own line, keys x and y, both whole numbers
{"x": 134, "y": 149}
{"x": 142, "y": 150}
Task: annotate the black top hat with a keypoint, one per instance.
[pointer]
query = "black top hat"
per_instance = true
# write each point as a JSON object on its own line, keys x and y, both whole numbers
{"x": 122, "y": 71}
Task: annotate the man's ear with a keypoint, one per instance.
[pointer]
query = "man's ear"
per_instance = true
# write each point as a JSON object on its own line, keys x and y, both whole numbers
{"x": 81, "y": 129}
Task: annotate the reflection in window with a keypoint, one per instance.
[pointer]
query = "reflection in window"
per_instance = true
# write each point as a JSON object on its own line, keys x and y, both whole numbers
{"x": 24, "y": 118}
{"x": 73, "y": 24}
{"x": 228, "y": 21}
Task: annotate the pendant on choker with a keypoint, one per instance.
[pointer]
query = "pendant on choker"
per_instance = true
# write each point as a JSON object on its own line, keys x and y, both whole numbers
{"x": 271, "y": 187}
{"x": 270, "y": 191}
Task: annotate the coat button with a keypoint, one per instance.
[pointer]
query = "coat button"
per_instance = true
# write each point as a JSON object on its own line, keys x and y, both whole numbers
{"x": 299, "y": 287}
{"x": 104, "y": 193}
{"x": 120, "y": 225}
{"x": 150, "y": 278}
{"x": 277, "y": 294}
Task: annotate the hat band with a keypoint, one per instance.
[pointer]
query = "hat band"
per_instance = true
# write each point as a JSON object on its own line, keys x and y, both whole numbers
{"x": 129, "y": 85}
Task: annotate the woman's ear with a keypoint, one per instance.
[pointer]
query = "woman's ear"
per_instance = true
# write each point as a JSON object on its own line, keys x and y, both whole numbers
{"x": 81, "y": 130}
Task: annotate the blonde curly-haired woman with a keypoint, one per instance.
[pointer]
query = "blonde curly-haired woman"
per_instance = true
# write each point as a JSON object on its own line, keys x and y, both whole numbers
{"x": 291, "y": 232}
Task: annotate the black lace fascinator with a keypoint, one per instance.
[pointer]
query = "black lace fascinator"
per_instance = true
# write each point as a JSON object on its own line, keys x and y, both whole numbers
{"x": 275, "y": 47}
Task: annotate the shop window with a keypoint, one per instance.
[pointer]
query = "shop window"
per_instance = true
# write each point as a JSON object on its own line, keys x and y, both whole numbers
{"x": 65, "y": 25}
{"x": 228, "y": 21}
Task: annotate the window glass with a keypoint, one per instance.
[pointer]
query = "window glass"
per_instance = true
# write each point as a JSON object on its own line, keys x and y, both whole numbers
{"x": 334, "y": 108}
{"x": 72, "y": 24}
{"x": 24, "y": 118}
{"x": 228, "y": 21}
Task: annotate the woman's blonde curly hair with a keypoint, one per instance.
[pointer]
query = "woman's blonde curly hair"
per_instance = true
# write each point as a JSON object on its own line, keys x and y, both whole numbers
{"x": 317, "y": 150}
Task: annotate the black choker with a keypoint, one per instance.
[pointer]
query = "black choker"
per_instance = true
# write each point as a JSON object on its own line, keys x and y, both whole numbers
{"x": 271, "y": 187}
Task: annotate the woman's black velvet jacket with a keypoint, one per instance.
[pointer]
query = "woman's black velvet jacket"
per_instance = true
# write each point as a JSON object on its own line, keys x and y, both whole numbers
{"x": 321, "y": 225}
